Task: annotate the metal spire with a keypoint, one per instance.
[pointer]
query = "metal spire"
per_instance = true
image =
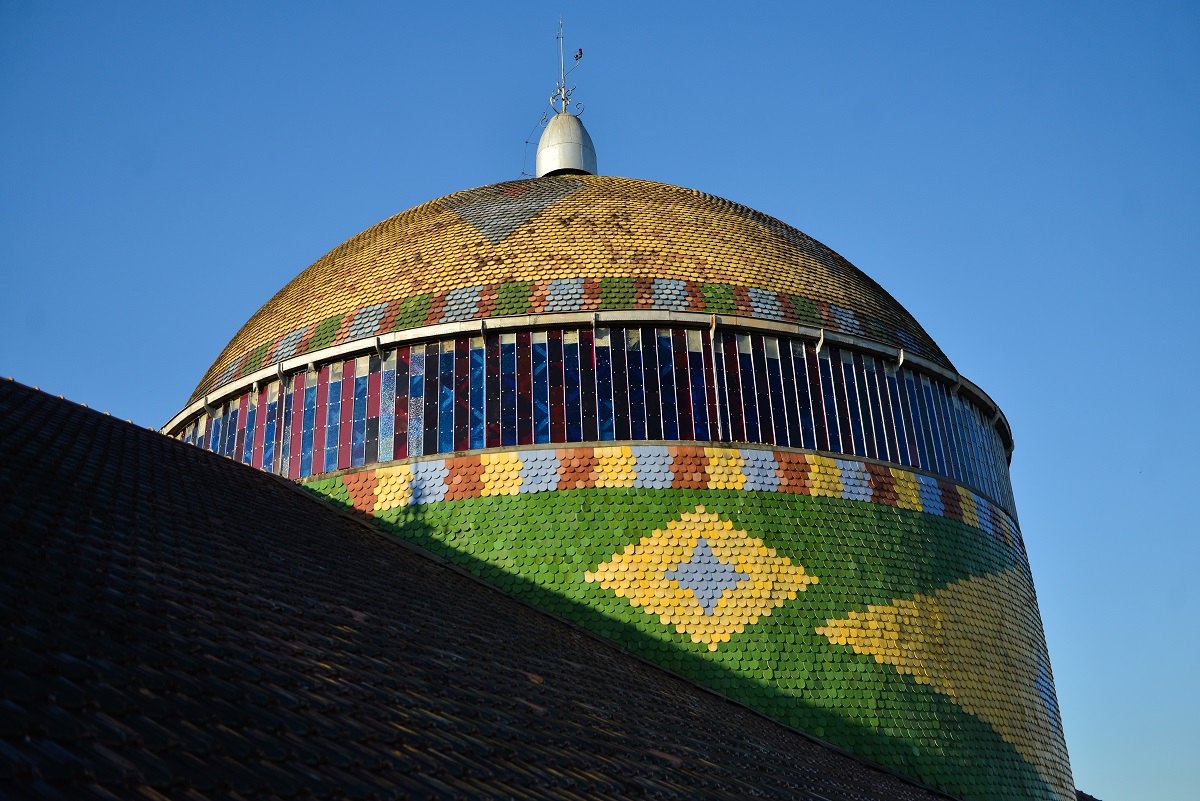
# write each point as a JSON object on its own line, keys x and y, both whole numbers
{"x": 565, "y": 148}
{"x": 562, "y": 94}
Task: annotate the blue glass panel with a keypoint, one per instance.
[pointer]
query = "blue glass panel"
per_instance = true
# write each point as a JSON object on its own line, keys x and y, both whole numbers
{"x": 214, "y": 434}
{"x": 269, "y": 438}
{"x": 558, "y": 401}
{"x": 416, "y": 401}
{"x": 478, "y": 411}
{"x": 268, "y": 455}
{"x": 955, "y": 432}
{"x": 221, "y": 425}
{"x": 804, "y": 405}
{"x": 587, "y": 384}
{"x": 966, "y": 454}
{"x": 524, "y": 388}
{"x": 891, "y": 428}
{"x": 248, "y": 450}
{"x": 620, "y": 383}
{"x": 791, "y": 403}
{"x": 605, "y": 418}
{"x": 358, "y": 434}
{"x": 231, "y": 428}
{"x": 433, "y": 368}
{"x": 920, "y": 423}
{"x": 981, "y": 472}
{"x": 221, "y": 431}
{"x": 373, "y": 376}
{"x": 492, "y": 391}
{"x": 462, "y": 394}
{"x": 929, "y": 419}
{"x": 941, "y": 458}
{"x": 403, "y": 383}
{"x": 683, "y": 392}
{"x": 446, "y": 399}
{"x": 508, "y": 389}
{"x": 666, "y": 385}
{"x": 637, "y": 388}
{"x": 766, "y": 426}
{"x": 830, "y": 402}
{"x": 333, "y": 416}
{"x": 1000, "y": 485}
{"x": 227, "y": 426}
{"x": 733, "y": 386}
{"x": 864, "y": 406}
{"x": 878, "y": 416}
{"x": 699, "y": 389}
{"x": 985, "y": 455}
{"x": 856, "y": 421}
{"x": 372, "y": 440}
{"x": 947, "y": 427}
{"x": 541, "y": 388}
{"x": 749, "y": 393}
{"x": 963, "y": 437}
{"x": 310, "y": 421}
{"x": 839, "y": 394}
{"x": 719, "y": 378}
{"x": 571, "y": 386}
{"x": 649, "y": 340}
{"x": 775, "y": 386}
{"x": 903, "y": 423}
{"x": 969, "y": 444}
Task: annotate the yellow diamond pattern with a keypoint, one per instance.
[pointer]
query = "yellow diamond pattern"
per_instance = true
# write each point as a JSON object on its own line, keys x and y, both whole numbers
{"x": 964, "y": 642}
{"x": 638, "y": 574}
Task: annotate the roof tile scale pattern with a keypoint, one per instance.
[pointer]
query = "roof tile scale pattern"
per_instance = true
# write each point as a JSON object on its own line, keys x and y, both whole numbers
{"x": 564, "y": 244}
{"x": 178, "y": 625}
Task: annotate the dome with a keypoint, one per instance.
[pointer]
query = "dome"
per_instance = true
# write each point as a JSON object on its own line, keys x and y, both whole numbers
{"x": 684, "y": 426}
{"x": 565, "y": 148}
{"x": 576, "y": 243}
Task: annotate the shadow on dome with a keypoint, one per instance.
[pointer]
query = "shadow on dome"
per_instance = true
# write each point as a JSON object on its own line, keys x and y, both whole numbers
{"x": 937, "y": 761}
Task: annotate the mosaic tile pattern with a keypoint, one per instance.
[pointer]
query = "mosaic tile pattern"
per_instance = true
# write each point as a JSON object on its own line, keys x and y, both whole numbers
{"x": 882, "y": 609}
{"x": 577, "y": 243}
{"x": 703, "y": 576}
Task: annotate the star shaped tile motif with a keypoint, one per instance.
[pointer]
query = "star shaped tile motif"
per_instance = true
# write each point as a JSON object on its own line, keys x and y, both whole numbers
{"x": 703, "y": 576}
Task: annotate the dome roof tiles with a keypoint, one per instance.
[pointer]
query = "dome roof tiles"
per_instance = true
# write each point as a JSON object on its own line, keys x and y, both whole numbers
{"x": 562, "y": 244}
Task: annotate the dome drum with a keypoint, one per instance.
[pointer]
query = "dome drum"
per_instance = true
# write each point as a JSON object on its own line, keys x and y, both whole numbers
{"x": 835, "y": 400}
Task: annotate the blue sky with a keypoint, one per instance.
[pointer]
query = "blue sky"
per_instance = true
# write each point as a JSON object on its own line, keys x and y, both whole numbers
{"x": 1022, "y": 176}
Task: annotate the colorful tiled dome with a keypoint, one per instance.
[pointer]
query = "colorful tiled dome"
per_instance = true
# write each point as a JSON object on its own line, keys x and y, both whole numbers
{"x": 558, "y": 244}
{"x": 687, "y": 427}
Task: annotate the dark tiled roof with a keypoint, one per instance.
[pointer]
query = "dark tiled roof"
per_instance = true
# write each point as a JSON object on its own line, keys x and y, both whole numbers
{"x": 178, "y": 624}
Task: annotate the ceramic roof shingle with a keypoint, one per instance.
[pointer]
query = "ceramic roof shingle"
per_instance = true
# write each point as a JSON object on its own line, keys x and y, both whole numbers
{"x": 178, "y": 625}
{"x": 562, "y": 244}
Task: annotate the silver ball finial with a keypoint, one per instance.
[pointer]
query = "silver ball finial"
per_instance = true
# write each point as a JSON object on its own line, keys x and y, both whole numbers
{"x": 565, "y": 148}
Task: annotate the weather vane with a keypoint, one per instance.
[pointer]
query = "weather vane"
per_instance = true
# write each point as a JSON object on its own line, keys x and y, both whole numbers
{"x": 562, "y": 94}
